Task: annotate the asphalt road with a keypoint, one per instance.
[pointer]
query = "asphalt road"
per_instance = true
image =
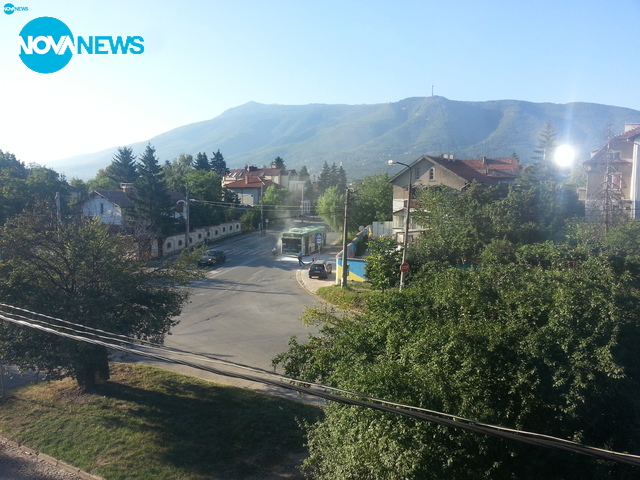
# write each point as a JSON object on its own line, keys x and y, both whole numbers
{"x": 245, "y": 310}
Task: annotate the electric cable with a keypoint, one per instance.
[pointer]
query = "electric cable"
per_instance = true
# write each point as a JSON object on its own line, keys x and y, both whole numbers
{"x": 388, "y": 407}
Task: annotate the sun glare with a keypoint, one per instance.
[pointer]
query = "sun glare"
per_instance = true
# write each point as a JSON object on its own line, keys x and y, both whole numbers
{"x": 564, "y": 156}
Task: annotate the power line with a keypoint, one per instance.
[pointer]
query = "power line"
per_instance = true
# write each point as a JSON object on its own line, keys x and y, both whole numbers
{"x": 146, "y": 349}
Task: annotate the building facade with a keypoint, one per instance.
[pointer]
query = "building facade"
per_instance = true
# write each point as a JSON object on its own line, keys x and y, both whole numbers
{"x": 613, "y": 177}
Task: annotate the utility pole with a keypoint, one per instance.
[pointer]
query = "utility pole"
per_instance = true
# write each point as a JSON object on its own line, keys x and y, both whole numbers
{"x": 345, "y": 266}
{"x": 186, "y": 219}
{"x": 405, "y": 238}
{"x": 261, "y": 212}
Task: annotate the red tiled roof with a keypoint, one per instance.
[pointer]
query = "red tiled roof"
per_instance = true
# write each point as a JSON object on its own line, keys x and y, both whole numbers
{"x": 630, "y": 134}
{"x": 251, "y": 181}
{"x": 463, "y": 170}
{"x": 625, "y": 136}
{"x": 270, "y": 172}
{"x": 494, "y": 167}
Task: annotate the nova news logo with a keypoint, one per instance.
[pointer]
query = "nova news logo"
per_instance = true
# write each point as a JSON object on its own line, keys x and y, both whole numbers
{"x": 47, "y": 45}
{"x": 9, "y": 9}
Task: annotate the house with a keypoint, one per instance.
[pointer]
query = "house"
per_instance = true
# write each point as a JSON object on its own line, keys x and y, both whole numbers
{"x": 250, "y": 188}
{"x": 613, "y": 176}
{"x": 280, "y": 176}
{"x": 431, "y": 171}
{"x": 112, "y": 207}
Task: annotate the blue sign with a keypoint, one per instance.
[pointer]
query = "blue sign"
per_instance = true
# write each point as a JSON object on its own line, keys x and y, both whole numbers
{"x": 319, "y": 239}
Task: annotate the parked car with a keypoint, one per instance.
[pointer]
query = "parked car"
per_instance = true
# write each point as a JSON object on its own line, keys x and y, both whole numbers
{"x": 212, "y": 257}
{"x": 320, "y": 269}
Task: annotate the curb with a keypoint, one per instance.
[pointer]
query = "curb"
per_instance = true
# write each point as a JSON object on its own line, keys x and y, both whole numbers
{"x": 43, "y": 457}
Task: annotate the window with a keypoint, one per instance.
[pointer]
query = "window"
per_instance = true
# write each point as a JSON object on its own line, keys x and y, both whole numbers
{"x": 179, "y": 243}
{"x": 169, "y": 245}
{"x": 615, "y": 180}
{"x": 101, "y": 208}
{"x": 432, "y": 174}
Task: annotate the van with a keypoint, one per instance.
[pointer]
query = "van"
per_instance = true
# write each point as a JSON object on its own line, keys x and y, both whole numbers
{"x": 320, "y": 269}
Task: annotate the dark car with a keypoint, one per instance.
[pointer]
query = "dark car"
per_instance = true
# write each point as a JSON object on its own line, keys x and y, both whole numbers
{"x": 320, "y": 269}
{"x": 211, "y": 258}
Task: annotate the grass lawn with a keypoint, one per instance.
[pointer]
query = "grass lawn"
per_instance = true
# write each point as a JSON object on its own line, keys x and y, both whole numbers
{"x": 149, "y": 423}
{"x": 353, "y": 297}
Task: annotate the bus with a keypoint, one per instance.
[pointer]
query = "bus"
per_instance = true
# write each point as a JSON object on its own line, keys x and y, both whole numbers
{"x": 303, "y": 239}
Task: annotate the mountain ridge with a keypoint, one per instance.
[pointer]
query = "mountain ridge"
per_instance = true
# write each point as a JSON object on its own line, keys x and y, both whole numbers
{"x": 363, "y": 137}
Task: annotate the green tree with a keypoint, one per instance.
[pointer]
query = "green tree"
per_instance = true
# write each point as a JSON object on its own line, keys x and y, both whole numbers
{"x": 373, "y": 200}
{"x": 152, "y": 203}
{"x": 279, "y": 163}
{"x": 274, "y": 200}
{"x": 102, "y": 181}
{"x": 24, "y": 188}
{"x": 457, "y": 223}
{"x": 13, "y": 193}
{"x": 175, "y": 172}
{"x": 324, "y": 179}
{"x": 383, "y": 262}
{"x": 202, "y": 162}
{"x": 330, "y": 208}
{"x": 514, "y": 345}
{"x": 206, "y": 188}
{"x": 303, "y": 174}
{"x": 218, "y": 164}
{"x": 11, "y": 165}
{"x": 79, "y": 272}
{"x": 544, "y": 167}
{"x": 340, "y": 179}
{"x": 123, "y": 167}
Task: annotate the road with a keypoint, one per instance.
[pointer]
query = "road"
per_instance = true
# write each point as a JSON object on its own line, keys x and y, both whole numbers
{"x": 245, "y": 310}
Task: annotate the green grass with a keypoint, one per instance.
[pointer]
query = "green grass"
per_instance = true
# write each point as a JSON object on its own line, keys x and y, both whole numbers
{"x": 149, "y": 423}
{"x": 353, "y": 297}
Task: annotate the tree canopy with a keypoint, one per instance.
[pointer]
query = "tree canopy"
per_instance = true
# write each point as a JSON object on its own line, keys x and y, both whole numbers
{"x": 517, "y": 314}
{"x": 80, "y": 272}
{"x": 152, "y": 203}
{"x": 123, "y": 166}
{"x": 547, "y": 350}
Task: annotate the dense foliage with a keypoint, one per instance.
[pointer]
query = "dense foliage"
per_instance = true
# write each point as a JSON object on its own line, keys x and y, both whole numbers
{"x": 517, "y": 314}
{"x": 78, "y": 271}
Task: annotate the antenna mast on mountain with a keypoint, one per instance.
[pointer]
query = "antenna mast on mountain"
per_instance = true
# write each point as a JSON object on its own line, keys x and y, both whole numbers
{"x": 432, "y": 90}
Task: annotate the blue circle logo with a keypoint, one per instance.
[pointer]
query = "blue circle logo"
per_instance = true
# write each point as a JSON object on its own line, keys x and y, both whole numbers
{"x": 46, "y": 45}
{"x": 9, "y": 8}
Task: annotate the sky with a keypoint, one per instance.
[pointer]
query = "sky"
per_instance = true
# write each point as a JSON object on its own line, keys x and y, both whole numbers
{"x": 201, "y": 58}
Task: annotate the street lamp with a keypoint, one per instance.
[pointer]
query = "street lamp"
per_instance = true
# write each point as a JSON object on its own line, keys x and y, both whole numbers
{"x": 406, "y": 225}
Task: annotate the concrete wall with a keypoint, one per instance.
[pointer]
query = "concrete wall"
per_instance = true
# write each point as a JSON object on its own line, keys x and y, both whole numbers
{"x": 200, "y": 236}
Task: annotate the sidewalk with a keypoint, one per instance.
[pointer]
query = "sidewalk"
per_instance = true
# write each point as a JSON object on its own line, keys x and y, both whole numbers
{"x": 313, "y": 284}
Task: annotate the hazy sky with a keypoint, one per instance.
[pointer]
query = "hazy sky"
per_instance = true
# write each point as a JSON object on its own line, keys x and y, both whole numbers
{"x": 203, "y": 57}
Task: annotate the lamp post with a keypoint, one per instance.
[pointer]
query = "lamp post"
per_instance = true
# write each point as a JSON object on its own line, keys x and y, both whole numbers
{"x": 405, "y": 238}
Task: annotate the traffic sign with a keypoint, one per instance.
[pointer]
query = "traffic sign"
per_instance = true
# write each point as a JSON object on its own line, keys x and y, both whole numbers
{"x": 319, "y": 239}
{"x": 404, "y": 268}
